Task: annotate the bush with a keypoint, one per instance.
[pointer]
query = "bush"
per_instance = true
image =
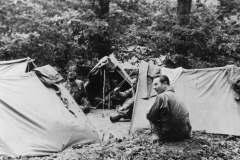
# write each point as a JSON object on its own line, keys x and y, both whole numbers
{"x": 54, "y": 32}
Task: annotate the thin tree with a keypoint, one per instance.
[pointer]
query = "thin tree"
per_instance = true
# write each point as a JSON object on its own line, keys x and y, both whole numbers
{"x": 184, "y": 10}
{"x": 104, "y": 7}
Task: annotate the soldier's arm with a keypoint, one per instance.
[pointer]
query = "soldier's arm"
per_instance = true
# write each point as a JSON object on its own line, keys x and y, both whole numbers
{"x": 126, "y": 94}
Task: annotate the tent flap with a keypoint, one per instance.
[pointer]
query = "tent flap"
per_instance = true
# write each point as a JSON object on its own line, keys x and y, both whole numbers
{"x": 48, "y": 75}
{"x": 143, "y": 90}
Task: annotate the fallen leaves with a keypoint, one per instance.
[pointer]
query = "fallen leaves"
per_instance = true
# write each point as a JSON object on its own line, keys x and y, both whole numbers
{"x": 201, "y": 146}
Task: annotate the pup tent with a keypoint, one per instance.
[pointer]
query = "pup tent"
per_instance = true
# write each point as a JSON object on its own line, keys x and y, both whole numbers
{"x": 101, "y": 76}
{"x": 18, "y": 66}
{"x": 38, "y": 115}
{"x": 211, "y": 95}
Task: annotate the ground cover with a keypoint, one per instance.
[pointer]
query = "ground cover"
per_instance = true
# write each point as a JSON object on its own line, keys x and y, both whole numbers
{"x": 201, "y": 146}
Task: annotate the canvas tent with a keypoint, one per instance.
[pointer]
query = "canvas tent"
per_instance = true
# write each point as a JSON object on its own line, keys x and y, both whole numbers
{"x": 209, "y": 94}
{"x": 100, "y": 76}
{"x": 16, "y": 66}
{"x": 38, "y": 116}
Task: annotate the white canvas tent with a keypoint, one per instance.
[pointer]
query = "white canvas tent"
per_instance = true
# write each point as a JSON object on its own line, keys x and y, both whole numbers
{"x": 208, "y": 94}
{"x": 18, "y": 66}
{"x": 36, "y": 119}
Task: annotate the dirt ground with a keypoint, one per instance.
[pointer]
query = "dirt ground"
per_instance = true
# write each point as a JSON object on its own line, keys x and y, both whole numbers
{"x": 118, "y": 144}
{"x": 105, "y": 128}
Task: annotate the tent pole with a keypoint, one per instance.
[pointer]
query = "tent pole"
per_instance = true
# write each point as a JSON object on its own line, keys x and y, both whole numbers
{"x": 109, "y": 95}
{"x": 104, "y": 74}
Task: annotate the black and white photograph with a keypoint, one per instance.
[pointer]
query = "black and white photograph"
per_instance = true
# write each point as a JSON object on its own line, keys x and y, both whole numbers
{"x": 119, "y": 79}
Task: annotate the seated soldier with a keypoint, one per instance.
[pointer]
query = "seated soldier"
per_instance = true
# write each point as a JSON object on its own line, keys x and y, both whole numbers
{"x": 168, "y": 116}
{"x": 125, "y": 111}
{"x": 77, "y": 90}
{"x": 116, "y": 99}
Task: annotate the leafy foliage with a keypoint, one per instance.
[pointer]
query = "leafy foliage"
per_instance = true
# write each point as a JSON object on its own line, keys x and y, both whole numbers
{"x": 207, "y": 41}
{"x": 54, "y": 32}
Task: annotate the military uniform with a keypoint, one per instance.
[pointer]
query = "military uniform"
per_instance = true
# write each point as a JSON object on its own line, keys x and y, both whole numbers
{"x": 169, "y": 117}
{"x": 125, "y": 111}
{"x": 127, "y": 106}
{"x": 78, "y": 92}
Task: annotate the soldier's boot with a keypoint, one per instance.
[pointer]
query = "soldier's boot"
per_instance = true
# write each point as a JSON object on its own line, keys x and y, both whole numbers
{"x": 115, "y": 118}
{"x": 154, "y": 138}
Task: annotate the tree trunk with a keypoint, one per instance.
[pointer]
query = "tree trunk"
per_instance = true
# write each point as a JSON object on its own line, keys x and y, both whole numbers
{"x": 104, "y": 7}
{"x": 184, "y": 10}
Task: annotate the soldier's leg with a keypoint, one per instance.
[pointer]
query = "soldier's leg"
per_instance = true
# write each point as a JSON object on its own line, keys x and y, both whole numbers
{"x": 155, "y": 137}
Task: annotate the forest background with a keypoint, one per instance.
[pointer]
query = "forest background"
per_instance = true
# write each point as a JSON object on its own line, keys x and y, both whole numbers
{"x": 191, "y": 34}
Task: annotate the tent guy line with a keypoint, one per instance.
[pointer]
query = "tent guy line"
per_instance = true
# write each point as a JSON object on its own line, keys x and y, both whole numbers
{"x": 119, "y": 85}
